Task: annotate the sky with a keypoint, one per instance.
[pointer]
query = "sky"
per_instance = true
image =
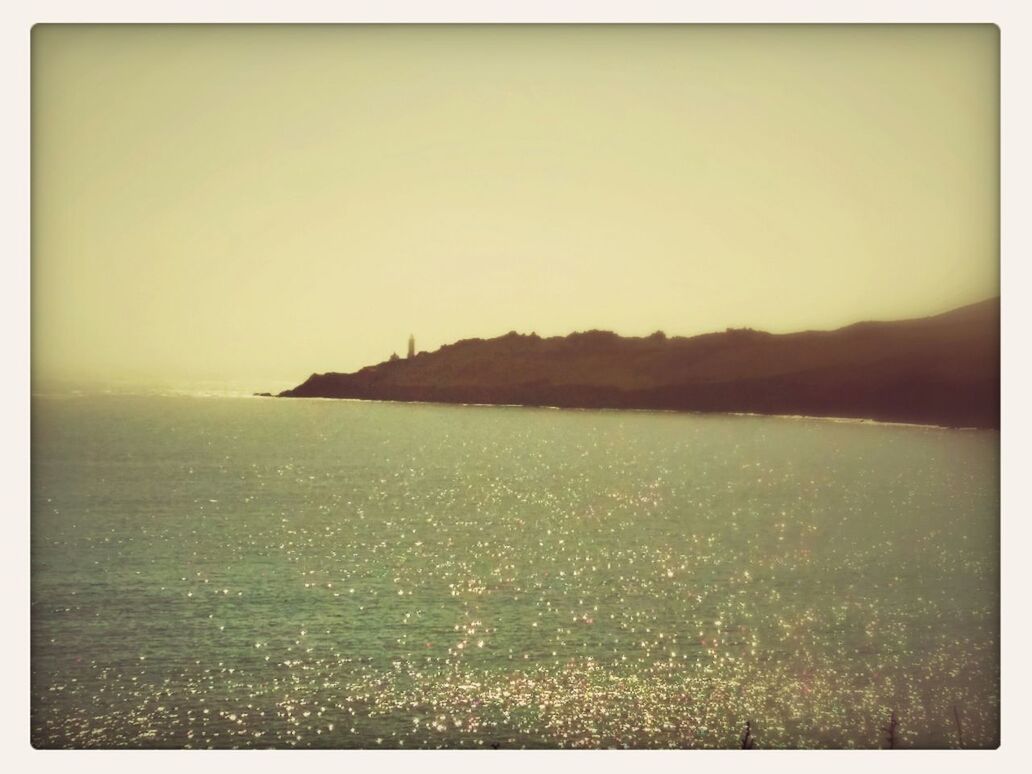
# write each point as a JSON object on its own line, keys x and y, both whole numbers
{"x": 257, "y": 203}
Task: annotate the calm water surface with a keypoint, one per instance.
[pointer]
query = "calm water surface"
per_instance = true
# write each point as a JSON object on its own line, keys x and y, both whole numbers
{"x": 218, "y": 572}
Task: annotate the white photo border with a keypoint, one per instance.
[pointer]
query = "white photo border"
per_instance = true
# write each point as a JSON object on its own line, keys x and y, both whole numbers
{"x": 1016, "y": 128}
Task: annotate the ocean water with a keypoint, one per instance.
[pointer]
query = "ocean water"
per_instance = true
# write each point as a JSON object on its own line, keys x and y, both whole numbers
{"x": 234, "y": 572}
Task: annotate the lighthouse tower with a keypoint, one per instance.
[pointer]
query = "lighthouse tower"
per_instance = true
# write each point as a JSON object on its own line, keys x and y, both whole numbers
{"x": 411, "y": 345}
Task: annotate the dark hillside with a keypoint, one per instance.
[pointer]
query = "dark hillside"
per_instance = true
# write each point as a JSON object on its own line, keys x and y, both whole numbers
{"x": 940, "y": 370}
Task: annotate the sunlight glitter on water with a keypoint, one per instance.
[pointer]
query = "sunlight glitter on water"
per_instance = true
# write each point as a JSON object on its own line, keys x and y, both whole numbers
{"x": 316, "y": 574}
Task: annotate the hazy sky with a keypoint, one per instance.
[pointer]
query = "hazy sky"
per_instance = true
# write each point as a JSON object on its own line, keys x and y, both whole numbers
{"x": 258, "y": 203}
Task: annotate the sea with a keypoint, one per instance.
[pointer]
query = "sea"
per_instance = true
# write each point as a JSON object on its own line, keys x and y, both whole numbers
{"x": 214, "y": 571}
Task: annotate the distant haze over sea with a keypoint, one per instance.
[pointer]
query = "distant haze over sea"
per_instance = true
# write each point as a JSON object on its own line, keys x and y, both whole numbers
{"x": 265, "y": 201}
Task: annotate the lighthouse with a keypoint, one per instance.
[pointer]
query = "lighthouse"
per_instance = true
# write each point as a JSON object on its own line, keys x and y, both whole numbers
{"x": 411, "y": 345}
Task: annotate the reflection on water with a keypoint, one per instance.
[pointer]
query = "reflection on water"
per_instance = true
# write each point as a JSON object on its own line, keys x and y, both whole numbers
{"x": 241, "y": 573}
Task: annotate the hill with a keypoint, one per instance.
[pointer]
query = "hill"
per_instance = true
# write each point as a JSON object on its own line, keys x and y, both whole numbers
{"x": 936, "y": 370}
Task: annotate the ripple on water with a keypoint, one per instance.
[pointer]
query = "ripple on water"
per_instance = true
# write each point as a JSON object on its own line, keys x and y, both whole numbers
{"x": 369, "y": 575}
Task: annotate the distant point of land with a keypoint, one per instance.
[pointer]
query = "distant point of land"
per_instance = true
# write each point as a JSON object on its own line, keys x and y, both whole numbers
{"x": 942, "y": 370}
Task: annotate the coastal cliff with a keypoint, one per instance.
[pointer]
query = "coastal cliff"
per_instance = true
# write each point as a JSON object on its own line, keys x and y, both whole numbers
{"x": 942, "y": 370}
